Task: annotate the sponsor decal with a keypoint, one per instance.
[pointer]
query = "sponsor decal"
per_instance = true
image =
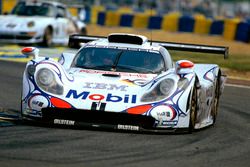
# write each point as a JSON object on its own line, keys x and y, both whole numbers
{"x": 165, "y": 115}
{"x": 92, "y": 85}
{"x": 137, "y": 75}
{"x": 99, "y": 97}
{"x": 128, "y": 127}
{"x": 37, "y": 102}
{"x": 64, "y": 122}
{"x": 98, "y": 106}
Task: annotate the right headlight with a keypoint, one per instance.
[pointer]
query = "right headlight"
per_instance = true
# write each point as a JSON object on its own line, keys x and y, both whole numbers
{"x": 46, "y": 80}
{"x": 160, "y": 91}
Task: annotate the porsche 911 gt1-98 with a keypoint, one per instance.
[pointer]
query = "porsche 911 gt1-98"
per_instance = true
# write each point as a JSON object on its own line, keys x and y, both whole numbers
{"x": 123, "y": 82}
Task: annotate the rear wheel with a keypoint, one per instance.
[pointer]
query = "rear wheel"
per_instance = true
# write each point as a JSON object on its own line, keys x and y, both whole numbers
{"x": 83, "y": 31}
{"x": 193, "y": 110}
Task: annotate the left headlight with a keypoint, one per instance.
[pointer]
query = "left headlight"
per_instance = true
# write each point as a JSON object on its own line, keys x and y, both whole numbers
{"x": 160, "y": 91}
{"x": 46, "y": 80}
{"x": 31, "y": 24}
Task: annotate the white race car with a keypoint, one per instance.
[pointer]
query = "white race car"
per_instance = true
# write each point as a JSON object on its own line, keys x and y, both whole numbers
{"x": 43, "y": 23}
{"x": 122, "y": 82}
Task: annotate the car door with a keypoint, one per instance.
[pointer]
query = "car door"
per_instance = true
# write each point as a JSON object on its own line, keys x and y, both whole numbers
{"x": 64, "y": 25}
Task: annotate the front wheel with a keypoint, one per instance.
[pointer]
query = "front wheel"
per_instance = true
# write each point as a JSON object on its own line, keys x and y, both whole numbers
{"x": 47, "y": 37}
{"x": 193, "y": 110}
{"x": 214, "y": 111}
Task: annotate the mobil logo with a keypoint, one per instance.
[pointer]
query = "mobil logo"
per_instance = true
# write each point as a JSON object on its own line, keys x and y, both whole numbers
{"x": 85, "y": 95}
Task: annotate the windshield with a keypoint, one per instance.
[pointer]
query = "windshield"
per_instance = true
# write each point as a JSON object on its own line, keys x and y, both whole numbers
{"x": 33, "y": 9}
{"x": 108, "y": 59}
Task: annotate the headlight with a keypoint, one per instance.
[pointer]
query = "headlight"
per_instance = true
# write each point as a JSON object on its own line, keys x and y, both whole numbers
{"x": 31, "y": 24}
{"x": 45, "y": 77}
{"x": 46, "y": 80}
{"x": 166, "y": 86}
{"x": 160, "y": 91}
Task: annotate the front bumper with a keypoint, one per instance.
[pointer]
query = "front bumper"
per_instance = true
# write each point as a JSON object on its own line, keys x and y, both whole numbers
{"x": 20, "y": 37}
{"x": 76, "y": 118}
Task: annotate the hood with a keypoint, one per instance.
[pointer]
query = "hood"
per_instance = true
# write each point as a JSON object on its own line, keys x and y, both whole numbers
{"x": 131, "y": 79}
{"x": 118, "y": 91}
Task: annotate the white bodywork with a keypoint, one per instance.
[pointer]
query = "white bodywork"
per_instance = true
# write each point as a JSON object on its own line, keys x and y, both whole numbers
{"x": 112, "y": 91}
{"x": 29, "y": 29}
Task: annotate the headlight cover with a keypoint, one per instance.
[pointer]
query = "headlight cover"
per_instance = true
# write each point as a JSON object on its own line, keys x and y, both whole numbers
{"x": 46, "y": 80}
{"x": 160, "y": 91}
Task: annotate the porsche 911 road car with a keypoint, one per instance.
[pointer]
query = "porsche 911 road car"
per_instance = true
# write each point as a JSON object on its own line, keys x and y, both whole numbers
{"x": 122, "y": 82}
{"x": 39, "y": 22}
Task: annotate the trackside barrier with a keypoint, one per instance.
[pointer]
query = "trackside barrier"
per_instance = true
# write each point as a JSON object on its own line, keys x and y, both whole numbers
{"x": 112, "y": 18}
{"x": 217, "y": 27}
{"x": 140, "y": 20}
{"x": 101, "y": 18}
{"x": 170, "y": 22}
{"x": 186, "y": 23}
{"x": 230, "y": 28}
{"x": 202, "y": 24}
{"x": 126, "y": 20}
{"x": 7, "y": 5}
{"x": 94, "y": 13}
{"x": 243, "y": 32}
{"x": 155, "y": 22}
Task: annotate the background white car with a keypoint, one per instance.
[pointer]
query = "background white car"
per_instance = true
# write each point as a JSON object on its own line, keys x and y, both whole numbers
{"x": 43, "y": 23}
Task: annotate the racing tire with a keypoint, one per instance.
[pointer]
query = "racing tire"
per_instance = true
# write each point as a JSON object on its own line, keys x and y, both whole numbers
{"x": 47, "y": 37}
{"x": 21, "y": 106}
{"x": 193, "y": 110}
{"x": 83, "y": 31}
{"x": 214, "y": 111}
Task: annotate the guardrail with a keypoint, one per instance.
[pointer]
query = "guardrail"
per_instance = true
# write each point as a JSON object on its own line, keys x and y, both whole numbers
{"x": 230, "y": 29}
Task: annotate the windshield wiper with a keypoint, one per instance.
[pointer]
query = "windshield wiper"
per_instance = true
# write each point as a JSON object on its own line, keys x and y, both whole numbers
{"x": 116, "y": 61}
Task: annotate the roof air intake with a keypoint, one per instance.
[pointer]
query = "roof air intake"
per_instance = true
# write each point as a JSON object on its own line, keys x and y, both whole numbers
{"x": 127, "y": 38}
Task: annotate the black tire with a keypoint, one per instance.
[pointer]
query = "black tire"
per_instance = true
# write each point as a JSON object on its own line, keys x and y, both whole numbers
{"x": 193, "y": 110}
{"x": 83, "y": 31}
{"x": 21, "y": 106}
{"x": 214, "y": 111}
{"x": 47, "y": 37}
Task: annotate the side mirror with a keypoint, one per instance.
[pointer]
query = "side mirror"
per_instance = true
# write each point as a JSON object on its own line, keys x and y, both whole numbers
{"x": 184, "y": 67}
{"x": 30, "y": 51}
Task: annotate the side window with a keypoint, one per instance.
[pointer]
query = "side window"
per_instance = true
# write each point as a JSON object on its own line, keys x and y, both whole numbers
{"x": 61, "y": 12}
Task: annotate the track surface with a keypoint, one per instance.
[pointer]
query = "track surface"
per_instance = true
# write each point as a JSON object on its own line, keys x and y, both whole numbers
{"x": 225, "y": 144}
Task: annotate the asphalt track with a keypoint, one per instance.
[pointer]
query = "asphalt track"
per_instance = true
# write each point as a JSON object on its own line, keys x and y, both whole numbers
{"x": 227, "y": 144}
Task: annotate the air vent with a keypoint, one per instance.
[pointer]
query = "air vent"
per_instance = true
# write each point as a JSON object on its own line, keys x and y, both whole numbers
{"x": 127, "y": 38}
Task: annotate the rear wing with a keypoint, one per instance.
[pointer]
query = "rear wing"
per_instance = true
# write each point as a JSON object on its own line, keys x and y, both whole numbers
{"x": 75, "y": 40}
